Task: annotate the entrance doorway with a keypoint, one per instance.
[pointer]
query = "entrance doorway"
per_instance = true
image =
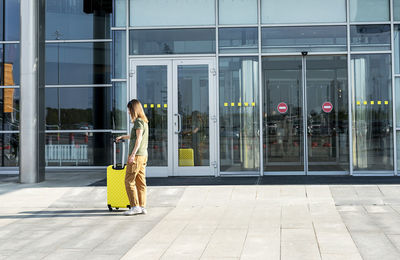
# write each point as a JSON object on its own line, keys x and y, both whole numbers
{"x": 178, "y": 99}
{"x": 305, "y": 115}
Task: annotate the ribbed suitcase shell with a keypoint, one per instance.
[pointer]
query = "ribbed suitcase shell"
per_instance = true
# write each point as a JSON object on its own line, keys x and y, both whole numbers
{"x": 116, "y": 191}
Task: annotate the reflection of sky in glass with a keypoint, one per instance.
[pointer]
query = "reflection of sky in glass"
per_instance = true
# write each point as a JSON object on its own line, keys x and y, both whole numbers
{"x": 65, "y": 19}
{"x": 9, "y": 13}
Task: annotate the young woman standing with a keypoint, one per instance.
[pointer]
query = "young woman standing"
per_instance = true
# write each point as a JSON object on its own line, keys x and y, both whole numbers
{"x": 135, "y": 179}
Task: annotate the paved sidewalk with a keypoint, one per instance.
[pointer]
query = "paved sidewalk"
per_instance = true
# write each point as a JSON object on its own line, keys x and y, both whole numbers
{"x": 64, "y": 218}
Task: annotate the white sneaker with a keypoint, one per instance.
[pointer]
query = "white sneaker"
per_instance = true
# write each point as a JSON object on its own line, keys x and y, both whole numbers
{"x": 133, "y": 211}
{"x": 144, "y": 211}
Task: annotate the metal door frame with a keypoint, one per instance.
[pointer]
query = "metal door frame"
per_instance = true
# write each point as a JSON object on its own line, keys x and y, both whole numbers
{"x": 172, "y": 64}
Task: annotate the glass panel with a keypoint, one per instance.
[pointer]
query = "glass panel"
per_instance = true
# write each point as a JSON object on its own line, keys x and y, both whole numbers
{"x": 78, "y": 63}
{"x": 78, "y": 19}
{"x": 152, "y": 91}
{"x": 370, "y": 37}
{"x": 78, "y": 108}
{"x": 10, "y": 100}
{"x": 398, "y": 149}
{"x": 283, "y": 114}
{"x": 327, "y": 113}
{"x": 9, "y": 149}
{"x": 305, "y": 11}
{"x": 193, "y": 109}
{"x": 9, "y": 20}
{"x": 397, "y": 93}
{"x": 396, "y": 49}
{"x": 10, "y": 57}
{"x": 119, "y": 50}
{"x": 396, "y": 10}
{"x": 372, "y": 112}
{"x": 297, "y": 39}
{"x": 79, "y": 149}
{"x": 171, "y": 41}
{"x": 52, "y": 99}
{"x": 238, "y": 12}
{"x": 238, "y": 40}
{"x": 172, "y": 12}
{"x": 369, "y": 10}
{"x": 119, "y": 106}
{"x": 239, "y": 123}
{"x": 119, "y": 13}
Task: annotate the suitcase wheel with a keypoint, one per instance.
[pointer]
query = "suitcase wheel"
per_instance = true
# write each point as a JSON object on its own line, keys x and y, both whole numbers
{"x": 128, "y": 206}
{"x": 117, "y": 208}
{"x": 109, "y": 208}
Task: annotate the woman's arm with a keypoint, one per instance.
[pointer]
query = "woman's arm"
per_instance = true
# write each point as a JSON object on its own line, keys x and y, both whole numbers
{"x": 139, "y": 137}
{"x": 125, "y": 137}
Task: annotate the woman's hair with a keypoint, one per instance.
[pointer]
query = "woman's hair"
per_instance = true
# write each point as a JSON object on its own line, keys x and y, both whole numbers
{"x": 136, "y": 110}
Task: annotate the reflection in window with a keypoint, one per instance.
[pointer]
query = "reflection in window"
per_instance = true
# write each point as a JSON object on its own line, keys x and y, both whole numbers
{"x": 78, "y": 108}
{"x": 119, "y": 106}
{"x": 369, "y": 10}
{"x": 237, "y": 12}
{"x": 9, "y": 152}
{"x": 9, "y": 20}
{"x": 397, "y": 93}
{"x": 370, "y": 37}
{"x": 396, "y": 10}
{"x": 238, "y": 40}
{"x": 10, "y": 59}
{"x": 239, "y": 114}
{"x": 119, "y": 13}
{"x": 372, "y": 112}
{"x": 9, "y": 119}
{"x": 152, "y": 91}
{"x": 78, "y": 149}
{"x": 396, "y": 49}
{"x": 297, "y": 39}
{"x": 172, "y": 12}
{"x": 171, "y": 41}
{"x": 78, "y": 19}
{"x": 119, "y": 57}
{"x": 78, "y": 63}
{"x": 305, "y": 11}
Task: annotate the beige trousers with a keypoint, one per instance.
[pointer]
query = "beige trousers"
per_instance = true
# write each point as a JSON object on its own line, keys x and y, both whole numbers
{"x": 135, "y": 181}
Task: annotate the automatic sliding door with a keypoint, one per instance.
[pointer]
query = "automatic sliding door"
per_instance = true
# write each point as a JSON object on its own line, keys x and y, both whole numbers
{"x": 283, "y": 114}
{"x": 327, "y": 113}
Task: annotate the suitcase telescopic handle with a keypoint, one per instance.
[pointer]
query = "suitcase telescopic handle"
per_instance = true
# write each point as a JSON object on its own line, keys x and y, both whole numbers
{"x": 115, "y": 154}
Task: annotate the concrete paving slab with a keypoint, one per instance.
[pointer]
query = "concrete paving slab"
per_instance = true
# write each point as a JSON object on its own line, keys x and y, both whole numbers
{"x": 300, "y": 250}
{"x": 375, "y": 245}
{"x": 395, "y": 239}
{"x": 187, "y": 247}
{"x": 226, "y": 243}
{"x": 261, "y": 245}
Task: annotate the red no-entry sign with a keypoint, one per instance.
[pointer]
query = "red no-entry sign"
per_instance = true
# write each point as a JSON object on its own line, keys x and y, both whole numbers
{"x": 327, "y": 107}
{"x": 282, "y": 107}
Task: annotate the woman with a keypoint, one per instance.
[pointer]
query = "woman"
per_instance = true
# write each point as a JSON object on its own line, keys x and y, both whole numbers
{"x": 135, "y": 178}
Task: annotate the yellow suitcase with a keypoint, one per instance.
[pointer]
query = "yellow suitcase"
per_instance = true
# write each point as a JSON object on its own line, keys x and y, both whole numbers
{"x": 186, "y": 157}
{"x": 116, "y": 192}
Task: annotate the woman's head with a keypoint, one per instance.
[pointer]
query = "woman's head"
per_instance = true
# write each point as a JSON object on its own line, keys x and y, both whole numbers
{"x": 136, "y": 110}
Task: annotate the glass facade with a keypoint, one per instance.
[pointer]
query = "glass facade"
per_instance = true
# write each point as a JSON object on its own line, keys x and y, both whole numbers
{"x": 9, "y": 82}
{"x": 372, "y": 112}
{"x": 239, "y": 114}
{"x": 292, "y": 92}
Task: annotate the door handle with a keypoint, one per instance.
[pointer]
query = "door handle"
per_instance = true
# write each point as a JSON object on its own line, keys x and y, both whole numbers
{"x": 179, "y": 124}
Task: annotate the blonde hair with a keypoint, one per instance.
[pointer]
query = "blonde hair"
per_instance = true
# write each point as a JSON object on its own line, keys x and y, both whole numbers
{"x": 136, "y": 111}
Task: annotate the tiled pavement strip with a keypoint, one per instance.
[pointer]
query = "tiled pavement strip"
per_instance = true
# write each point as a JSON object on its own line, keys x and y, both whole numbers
{"x": 63, "y": 218}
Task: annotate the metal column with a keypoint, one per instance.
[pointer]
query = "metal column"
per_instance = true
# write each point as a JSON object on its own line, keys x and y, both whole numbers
{"x": 32, "y": 120}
